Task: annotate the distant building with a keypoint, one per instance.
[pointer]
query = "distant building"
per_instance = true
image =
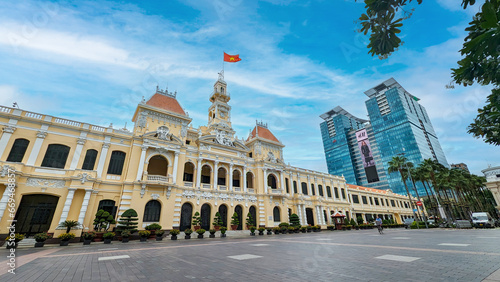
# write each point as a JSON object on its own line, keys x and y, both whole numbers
{"x": 398, "y": 125}
{"x": 460, "y": 166}
{"x": 492, "y": 175}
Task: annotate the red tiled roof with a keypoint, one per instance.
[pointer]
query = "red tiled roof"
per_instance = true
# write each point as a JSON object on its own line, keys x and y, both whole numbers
{"x": 166, "y": 103}
{"x": 264, "y": 133}
{"x": 367, "y": 189}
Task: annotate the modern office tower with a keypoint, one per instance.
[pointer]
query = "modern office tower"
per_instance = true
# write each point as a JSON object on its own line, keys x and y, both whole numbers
{"x": 351, "y": 150}
{"x": 398, "y": 125}
{"x": 461, "y": 166}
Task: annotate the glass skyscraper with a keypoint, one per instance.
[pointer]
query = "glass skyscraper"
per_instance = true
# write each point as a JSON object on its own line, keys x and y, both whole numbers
{"x": 397, "y": 124}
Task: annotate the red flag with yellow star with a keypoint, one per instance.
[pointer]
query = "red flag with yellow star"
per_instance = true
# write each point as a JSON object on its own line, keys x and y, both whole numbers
{"x": 231, "y": 58}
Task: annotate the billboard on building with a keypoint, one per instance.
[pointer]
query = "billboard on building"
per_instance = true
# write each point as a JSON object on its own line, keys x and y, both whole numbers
{"x": 367, "y": 156}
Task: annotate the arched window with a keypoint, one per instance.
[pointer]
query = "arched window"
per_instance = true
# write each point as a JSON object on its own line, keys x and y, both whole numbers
{"x": 342, "y": 190}
{"x": 287, "y": 186}
{"x": 336, "y": 190}
{"x": 271, "y": 181}
{"x": 313, "y": 190}
{"x": 295, "y": 187}
{"x": 55, "y": 156}
{"x": 328, "y": 191}
{"x": 221, "y": 176}
{"x": 18, "y": 149}
{"x": 90, "y": 158}
{"x": 276, "y": 214}
{"x": 236, "y": 178}
{"x": 304, "y": 188}
{"x": 116, "y": 162}
{"x": 188, "y": 172}
{"x": 158, "y": 165}
{"x": 320, "y": 190}
{"x": 152, "y": 211}
{"x": 109, "y": 206}
{"x": 249, "y": 180}
{"x": 205, "y": 174}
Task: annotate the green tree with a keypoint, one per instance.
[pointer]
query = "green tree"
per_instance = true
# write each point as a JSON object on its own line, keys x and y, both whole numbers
{"x": 69, "y": 224}
{"x": 218, "y": 220}
{"x": 480, "y": 51}
{"x": 196, "y": 219}
{"x": 294, "y": 220}
{"x": 103, "y": 220}
{"x": 250, "y": 221}
{"x": 128, "y": 221}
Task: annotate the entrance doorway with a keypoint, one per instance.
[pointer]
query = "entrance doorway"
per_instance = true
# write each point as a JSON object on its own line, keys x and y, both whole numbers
{"x": 239, "y": 211}
{"x": 186, "y": 216}
{"x": 253, "y": 213}
{"x": 223, "y": 214}
{"x": 205, "y": 217}
{"x": 310, "y": 216}
{"x": 35, "y": 214}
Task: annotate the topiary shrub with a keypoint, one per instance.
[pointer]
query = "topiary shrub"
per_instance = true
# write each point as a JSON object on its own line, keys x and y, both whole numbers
{"x": 294, "y": 220}
{"x": 103, "y": 220}
{"x": 128, "y": 221}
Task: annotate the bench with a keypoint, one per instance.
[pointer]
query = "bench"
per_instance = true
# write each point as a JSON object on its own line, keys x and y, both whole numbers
{"x": 463, "y": 224}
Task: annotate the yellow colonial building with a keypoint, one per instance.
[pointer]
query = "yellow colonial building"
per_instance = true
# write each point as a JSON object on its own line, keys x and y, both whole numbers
{"x": 164, "y": 169}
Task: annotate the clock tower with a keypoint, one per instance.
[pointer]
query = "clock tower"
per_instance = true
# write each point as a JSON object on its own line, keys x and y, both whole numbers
{"x": 219, "y": 113}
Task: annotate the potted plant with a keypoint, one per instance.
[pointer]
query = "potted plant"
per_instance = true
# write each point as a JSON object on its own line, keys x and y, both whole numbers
{"x": 159, "y": 235}
{"x": 294, "y": 220}
{"x": 187, "y": 233}
{"x": 212, "y": 233}
{"x": 269, "y": 231}
{"x": 252, "y": 230}
{"x": 309, "y": 228}
{"x": 65, "y": 237}
{"x": 217, "y": 221}
{"x": 314, "y": 228}
{"x": 196, "y": 221}
{"x": 87, "y": 237}
{"x": 348, "y": 227}
{"x": 173, "y": 234}
{"x": 152, "y": 228}
{"x": 108, "y": 237}
{"x": 40, "y": 239}
{"x": 250, "y": 221}
{"x": 283, "y": 229}
{"x": 200, "y": 232}
{"x": 234, "y": 221}
{"x": 102, "y": 221}
{"x": 223, "y": 232}
{"x": 261, "y": 230}
{"x": 276, "y": 230}
{"x": 291, "y": 229}
{"x": 125, "y": 236}
{"x": 318, "y": 228}
{"x": 68, "y": 224}
{"x": 144, "y": 235}
{"x": 128, "y": 222}
{"x": 303, "y": 229}
{"x": 12, "y": 241}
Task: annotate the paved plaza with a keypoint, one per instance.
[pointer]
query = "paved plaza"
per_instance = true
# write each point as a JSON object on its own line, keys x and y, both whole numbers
{"x": 364, "y": 255}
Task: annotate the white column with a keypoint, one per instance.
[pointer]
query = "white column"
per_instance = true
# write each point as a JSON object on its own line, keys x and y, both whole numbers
{"x": 291, "y": 185}
{"x": 85, "y": 204}
{"x": 4, "y": 200}
{"x": 78, "y": 152}
{"x": 264, "y": 170}
{"x": 215, "y": 173}
{"x": 140, "y": 169}
{"x": 309, "y": 185}
{"x": 299, "y": 211}
{"x": 230, "y": 186}
{"x": 102, "y": 159}
{"x": 304, "y": 214}
{"x": 67, "y": 204}
{"x": 283, "y": 185}
{"x": 245, "y": 179}
{"x": 36, "y": 147}
{"x": 7, "y": 133}
{"x": 198, "y": 174}
{"x": 328, "y": 216}
{"x": 176, "y": 164}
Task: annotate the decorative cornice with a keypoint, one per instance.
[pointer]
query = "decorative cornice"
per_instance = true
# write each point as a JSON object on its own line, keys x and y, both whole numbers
{"x": 81, "y": 141}
{"x": 41, "y": 134}
{"x": 9, "y": 129}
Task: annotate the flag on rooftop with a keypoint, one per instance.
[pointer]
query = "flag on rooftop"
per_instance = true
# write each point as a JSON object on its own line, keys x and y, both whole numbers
{"x": 231, "y": 58}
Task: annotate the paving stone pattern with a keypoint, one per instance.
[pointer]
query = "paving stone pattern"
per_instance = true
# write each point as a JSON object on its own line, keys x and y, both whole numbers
{"x": 323, "y": 256}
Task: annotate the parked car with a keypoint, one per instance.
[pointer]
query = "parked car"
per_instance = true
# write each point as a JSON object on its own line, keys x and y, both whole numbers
{"x": 482, "y": 220}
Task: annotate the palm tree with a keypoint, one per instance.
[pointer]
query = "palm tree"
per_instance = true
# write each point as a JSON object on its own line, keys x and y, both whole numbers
{"x": 396, "y": 165}
{"x": 69, "y": 224}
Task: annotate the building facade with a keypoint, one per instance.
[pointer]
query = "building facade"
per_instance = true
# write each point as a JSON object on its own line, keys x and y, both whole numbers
{"x": 461, "y": 166}
{"x": 492, "y": 175}
{"x": 164, "y": 169}
{"x": 398, "y": 125}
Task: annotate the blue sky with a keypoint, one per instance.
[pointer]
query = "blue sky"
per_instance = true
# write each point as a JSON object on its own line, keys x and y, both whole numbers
{"x": 92, "y": 61}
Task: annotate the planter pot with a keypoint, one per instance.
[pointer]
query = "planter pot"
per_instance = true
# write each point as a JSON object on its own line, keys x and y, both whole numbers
{"x": 223, "y": 235}
{"x": 211, "y": 236}
{"x": 64, "y": 243}
{"x": 39, "y": 244}
{"x": 173, "y": 237}
{"x": 200, "y": 236}
{"x": 217, "y": 228}
{"x": 261, "y": 233}
{"x": 197, "y": 227}
{"x": 284, "y": 231}
{"x": 187, "y": 237}
{"x": 98, "y": 237}
{"x": 144, "y": 239}
{"x": 159, "y": 238}
{"x": 152, "y": 234}
{"x": 107, "y": 241}
{"x": 357, "y": 227}
{"x": 125, "y": 240}
{"x": 252, "y": 233}
{"x": 308, "y": 230}
{"x": 234, "y": 227}
{"x": 10, "y": 246}
{"x": 303, "y": 231}
{"x": 269, "y": 233}
{"x": 86, "y": 242}
{"x": 315, "y": 230}
{"x": 297, "y": 231}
